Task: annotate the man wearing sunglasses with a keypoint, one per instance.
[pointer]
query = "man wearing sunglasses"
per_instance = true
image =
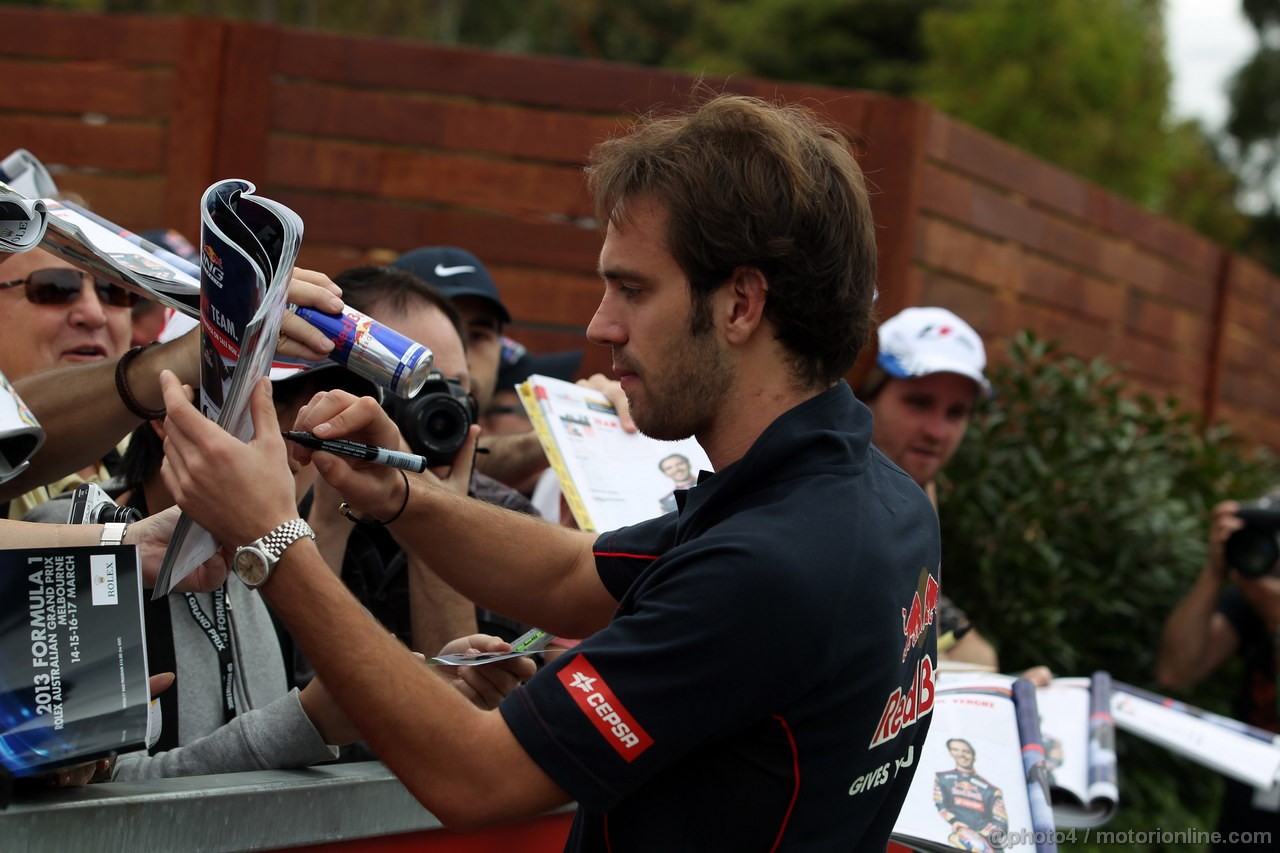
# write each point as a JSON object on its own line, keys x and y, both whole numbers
{"x": 80, "y": 405}
{"x": 53, "y": 315}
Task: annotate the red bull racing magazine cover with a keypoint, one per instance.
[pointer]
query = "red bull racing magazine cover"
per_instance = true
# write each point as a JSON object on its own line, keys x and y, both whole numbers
{"x": 73, "y": 657}
{"x": 248, "y": 248}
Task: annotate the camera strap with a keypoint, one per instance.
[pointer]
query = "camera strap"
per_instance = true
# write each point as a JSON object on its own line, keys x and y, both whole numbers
{"x": 217, "y": 631}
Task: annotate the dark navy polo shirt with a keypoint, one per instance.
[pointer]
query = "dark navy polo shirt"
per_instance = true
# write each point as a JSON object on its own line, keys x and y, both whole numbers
{"x": 766, "y": 681}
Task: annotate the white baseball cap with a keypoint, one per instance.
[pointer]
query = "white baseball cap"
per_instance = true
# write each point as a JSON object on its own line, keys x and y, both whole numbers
{"x": 921, "y": 341}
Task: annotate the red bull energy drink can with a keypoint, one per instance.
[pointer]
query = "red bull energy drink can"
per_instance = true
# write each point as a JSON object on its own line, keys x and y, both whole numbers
{"x": 369, "y": 349}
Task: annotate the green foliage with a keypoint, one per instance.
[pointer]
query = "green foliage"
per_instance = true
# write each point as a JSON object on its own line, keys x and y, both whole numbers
{"x": 854, "y": 44}
{"x": 1074, "y": 518}
{"x": 1083, "y": 83}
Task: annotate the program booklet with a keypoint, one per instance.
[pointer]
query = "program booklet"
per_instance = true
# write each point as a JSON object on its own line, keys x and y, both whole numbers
{"x": 981, "y": 783}
{"x": 610, "y": 478}
{"x": 248, "y": 248}
{"x": 20, "y": 433}
{"x": 73, "y": 656}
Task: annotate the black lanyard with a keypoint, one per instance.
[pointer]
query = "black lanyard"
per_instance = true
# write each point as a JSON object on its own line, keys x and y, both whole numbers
{"x": 218, "y": 631}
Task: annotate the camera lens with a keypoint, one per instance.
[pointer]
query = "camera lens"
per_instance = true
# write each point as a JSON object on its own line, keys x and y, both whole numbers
{"x": 444, "y": 423}
{"x": 108, "y": 513}
{"x": 442, "y": 428}
{"x": 435, "y": 422}
{"x": 1252, "y": 551}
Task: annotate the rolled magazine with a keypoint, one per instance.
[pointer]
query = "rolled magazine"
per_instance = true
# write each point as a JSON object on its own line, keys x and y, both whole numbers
{"x": 20, "y": 432}
{"x": 248, "y": 248}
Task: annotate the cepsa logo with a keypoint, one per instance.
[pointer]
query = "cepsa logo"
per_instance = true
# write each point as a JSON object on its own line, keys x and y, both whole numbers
{"x": 211, "y": 265}
{"x": 606, "y": 713}
{"x": 907, "y": 705}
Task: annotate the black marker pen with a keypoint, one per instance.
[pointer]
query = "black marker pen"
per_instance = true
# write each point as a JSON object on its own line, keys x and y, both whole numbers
{"x": 359, "y": 450}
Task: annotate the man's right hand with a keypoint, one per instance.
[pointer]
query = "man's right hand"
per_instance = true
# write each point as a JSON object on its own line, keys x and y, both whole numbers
{"x": 298, "y": 338}
{"x": 152, "y": 535}
{"x": 1222, "y": 524}
{"x": 368, "y": 488}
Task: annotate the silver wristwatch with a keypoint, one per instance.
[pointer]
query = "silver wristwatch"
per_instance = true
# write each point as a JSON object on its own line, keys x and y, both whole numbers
{"x": 253, "y": 563}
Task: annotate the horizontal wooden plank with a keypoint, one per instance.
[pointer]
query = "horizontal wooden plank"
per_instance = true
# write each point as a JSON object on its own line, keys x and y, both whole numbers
{"x": 423, "y": 119}
{"x": 453, "y": 179}
{"x": 75, "y": 143}
{"x": 569, "y": 84}
{"x": 1067, "y": 287}
{"x": 956, "y": 145}
{"x": 395, "y": 227}
{"x": 149, "y": 39}
{"x": 548, "y": 297}
{"x": 964, "y": 252}
{"x": 135, "y": 202}
{"x": 97, "y": 87}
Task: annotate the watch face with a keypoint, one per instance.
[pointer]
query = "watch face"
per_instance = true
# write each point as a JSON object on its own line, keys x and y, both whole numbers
{"x": 250, "y": 565}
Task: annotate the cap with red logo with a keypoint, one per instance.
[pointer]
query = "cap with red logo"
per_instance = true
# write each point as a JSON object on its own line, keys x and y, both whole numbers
{"x": 922, "y": 341}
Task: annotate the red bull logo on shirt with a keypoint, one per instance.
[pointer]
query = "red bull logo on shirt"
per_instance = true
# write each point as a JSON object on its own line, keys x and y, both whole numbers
{"x": 911, "y": 703}
{"x": 605, "y": 711}
{"x": 918, "y": 619}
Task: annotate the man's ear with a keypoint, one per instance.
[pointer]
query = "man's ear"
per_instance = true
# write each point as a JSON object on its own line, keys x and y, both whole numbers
{"x": 746, "y": 292}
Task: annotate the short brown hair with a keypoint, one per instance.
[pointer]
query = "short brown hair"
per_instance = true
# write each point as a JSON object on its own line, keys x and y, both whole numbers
{"x": 747, "y": 183}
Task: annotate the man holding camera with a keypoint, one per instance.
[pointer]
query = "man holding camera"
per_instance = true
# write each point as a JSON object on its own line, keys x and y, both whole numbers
{"x": 399, "y": 589}
{"x": 1212, "y": 625}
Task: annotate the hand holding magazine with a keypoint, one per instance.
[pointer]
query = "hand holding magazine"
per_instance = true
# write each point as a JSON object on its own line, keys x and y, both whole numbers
{"x": 610, "y": 478}
{"x": 248, "y": 248}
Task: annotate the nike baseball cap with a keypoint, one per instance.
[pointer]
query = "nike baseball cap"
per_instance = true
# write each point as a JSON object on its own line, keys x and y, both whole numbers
{"x": 454, "y": 272}
{"x": 922, "y": 341}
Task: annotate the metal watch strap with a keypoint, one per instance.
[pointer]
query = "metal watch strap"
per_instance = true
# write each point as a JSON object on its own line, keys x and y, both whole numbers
{"x": 113, "y": 533}
{"x": 275, "y": 542}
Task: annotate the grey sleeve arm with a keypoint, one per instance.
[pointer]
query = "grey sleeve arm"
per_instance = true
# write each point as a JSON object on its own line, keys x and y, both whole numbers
{"x": 275, "y": 737}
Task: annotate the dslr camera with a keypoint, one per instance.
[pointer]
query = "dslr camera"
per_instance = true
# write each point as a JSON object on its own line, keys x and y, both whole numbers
{"x": 1254, "y": 549}
{"x": 434, "y": 421}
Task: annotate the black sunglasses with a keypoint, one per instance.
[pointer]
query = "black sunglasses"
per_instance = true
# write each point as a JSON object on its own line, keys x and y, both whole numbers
{"x": 62, "y": 286}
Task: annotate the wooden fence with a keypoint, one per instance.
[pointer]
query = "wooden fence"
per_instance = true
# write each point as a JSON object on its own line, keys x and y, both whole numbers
{"x": 384, "y": 145}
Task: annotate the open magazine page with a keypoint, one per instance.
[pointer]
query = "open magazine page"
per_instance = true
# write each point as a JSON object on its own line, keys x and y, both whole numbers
{"x": 1230, "y": 747}
{"x": 73, "y": 656}
{"x": 20, "y": 433}
{"x": 1079, "y": 740}
{"x": 22, "y": 220}
{"x": 249, "y": 245}
{"x": 82, "y": 239}
{"x": 30, "y": 215}
{"x": 25, "y": 174}
{"x": 610, "y": 478}
{"x": 973, "y": 790}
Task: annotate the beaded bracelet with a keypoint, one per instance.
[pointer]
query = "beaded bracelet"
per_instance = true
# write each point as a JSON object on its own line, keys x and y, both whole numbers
{"x": 122, "y": 386}
{"x": 345, "y": 510}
